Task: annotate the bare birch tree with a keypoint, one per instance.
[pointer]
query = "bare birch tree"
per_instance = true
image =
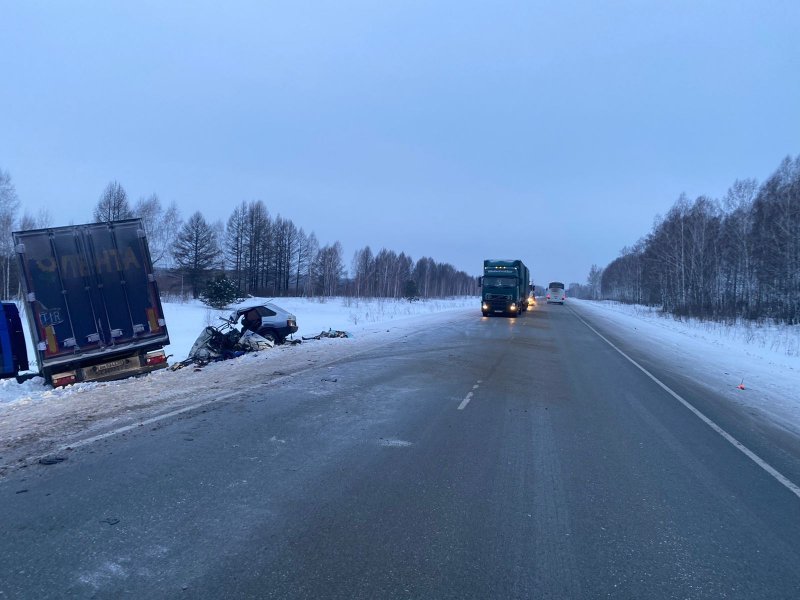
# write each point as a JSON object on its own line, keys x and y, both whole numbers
{"x": 113, "y": 204}
{"x": 9, "y": 205}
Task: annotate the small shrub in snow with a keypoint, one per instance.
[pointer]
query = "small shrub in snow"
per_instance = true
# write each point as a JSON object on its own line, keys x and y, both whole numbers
{"x": 410, "y": 290}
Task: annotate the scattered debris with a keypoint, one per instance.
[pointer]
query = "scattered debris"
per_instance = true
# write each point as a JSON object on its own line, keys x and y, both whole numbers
{"x": 52, "y": 460}
{"x": 331, "y": 333}
{"x": 222, "y": 343}
{"x": 110, "y": 520}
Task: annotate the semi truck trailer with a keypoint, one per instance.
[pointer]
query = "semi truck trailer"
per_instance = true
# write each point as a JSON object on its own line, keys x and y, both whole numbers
{"x": 91, "y": 301}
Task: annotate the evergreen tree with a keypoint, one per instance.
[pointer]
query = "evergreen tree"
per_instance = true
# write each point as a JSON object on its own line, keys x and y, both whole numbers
{"x": 196, "y": 250}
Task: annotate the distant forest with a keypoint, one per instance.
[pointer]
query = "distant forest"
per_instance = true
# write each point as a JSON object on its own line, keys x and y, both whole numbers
{"x": 257, "y": 253}
{"x": 734, "y": 258}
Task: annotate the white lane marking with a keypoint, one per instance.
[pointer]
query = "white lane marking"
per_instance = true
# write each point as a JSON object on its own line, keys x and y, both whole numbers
{"x": 151, "y": 420}
{"x": 475, "y": 387}
{"x": 782, "y": 479}
{"x": 465, "y": 401}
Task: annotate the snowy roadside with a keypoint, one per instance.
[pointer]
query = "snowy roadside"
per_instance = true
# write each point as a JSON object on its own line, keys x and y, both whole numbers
{"x": 764, "y": 360}
{"x": 36, "y": 419}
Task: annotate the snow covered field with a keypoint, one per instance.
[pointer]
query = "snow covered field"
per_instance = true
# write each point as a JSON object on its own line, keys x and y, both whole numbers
{"x": 764, "y": 359}
{"x": 36, "y": 419}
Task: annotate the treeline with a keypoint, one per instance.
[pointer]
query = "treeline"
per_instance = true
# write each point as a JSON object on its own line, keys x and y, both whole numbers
{"x": 267, "y": 256}
{"x": 259, "y": 254}
{"x": 390, "y": 275}
{"x": 734, "y": 258}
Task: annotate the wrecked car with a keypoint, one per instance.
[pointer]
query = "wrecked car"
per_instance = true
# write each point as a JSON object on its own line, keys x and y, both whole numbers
{"x": 268, "y": 320}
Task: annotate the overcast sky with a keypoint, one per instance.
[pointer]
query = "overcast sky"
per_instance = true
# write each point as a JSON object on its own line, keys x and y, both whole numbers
{"x": 549, "y": 131}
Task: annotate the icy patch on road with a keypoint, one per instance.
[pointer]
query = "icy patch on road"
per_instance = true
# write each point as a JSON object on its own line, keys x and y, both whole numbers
{"x": 103, "y": 576}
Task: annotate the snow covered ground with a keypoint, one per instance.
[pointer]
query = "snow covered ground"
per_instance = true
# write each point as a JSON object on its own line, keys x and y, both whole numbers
{"x": 36, "y": 419}
{"x": 764, "y": 359}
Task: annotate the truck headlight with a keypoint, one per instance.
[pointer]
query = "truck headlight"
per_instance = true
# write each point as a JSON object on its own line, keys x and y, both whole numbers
{"x": 485, "y": 306}
{"x": 513, "y": 306}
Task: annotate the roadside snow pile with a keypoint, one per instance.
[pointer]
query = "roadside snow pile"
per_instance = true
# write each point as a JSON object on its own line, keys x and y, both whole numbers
{"x": 765, "y": 360}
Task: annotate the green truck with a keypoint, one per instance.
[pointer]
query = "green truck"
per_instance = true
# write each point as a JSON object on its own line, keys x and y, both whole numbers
{"x": 504, "y": 287}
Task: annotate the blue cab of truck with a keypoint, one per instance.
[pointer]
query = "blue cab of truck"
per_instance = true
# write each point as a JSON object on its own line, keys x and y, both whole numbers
{"x": 13, "y": 351}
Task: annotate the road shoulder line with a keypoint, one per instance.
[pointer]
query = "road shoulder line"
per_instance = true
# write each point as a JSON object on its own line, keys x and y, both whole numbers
{"x": 779, "y": 477}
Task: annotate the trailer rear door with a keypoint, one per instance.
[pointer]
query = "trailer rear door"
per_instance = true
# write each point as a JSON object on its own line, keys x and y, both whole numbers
{"x": 90, "y": 287}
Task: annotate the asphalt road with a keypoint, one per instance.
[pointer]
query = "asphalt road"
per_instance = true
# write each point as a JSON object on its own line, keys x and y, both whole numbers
{"x": 494, "y": 458}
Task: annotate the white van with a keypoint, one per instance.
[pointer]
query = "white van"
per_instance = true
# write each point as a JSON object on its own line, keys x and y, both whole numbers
{"x": 556, "y": 292}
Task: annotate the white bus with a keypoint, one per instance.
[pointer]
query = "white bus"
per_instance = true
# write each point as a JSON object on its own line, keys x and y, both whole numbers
{"x": 556, "y": 293}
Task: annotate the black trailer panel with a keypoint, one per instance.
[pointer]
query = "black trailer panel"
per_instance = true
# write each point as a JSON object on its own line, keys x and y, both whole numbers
{"x": 90, "y": 292}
